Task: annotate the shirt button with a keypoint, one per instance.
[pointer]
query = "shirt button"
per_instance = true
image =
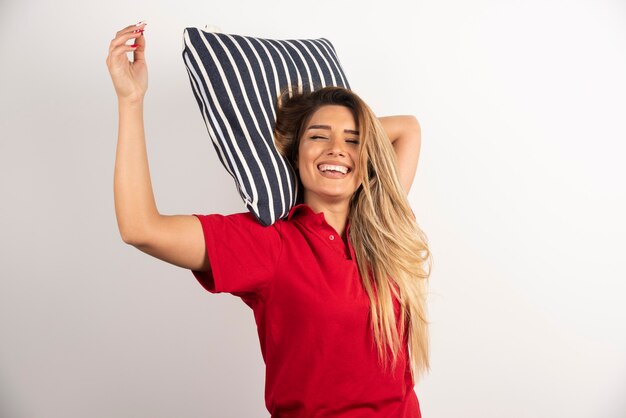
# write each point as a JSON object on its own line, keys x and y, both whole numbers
{"x": 331, "y": 237}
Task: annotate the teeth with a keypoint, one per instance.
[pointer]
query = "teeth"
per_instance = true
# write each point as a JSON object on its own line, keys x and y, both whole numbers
{"x": 328, "y": 167}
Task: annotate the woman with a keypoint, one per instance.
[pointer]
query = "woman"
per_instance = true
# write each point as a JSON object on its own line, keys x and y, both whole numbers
{"x": 338, "y": 288}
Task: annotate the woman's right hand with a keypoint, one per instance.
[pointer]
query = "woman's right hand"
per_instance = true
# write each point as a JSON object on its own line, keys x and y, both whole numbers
{"x": 130, "y": 78}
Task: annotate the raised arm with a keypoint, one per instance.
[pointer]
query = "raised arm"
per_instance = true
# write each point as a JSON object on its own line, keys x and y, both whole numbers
{"x": 177, "y": 239}
{"x": 405, "y": 135}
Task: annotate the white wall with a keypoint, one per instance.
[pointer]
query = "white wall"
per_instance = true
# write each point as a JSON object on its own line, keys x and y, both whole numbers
{"x": 520, "y": 188}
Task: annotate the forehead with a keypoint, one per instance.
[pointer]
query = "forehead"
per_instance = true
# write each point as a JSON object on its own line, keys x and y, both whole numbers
{"x": 333, "y": 115}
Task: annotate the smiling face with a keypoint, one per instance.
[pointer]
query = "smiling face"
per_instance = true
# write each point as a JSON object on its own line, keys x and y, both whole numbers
{"x": 328, "y": 157}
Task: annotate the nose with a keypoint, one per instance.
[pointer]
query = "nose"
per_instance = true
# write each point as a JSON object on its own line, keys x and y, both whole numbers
{"x": 339, "y": 153}
{"x": 336, "y": 147}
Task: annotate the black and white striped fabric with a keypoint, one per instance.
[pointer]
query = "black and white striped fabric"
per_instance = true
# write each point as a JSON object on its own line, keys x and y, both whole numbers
{"x": 236, "y": 80}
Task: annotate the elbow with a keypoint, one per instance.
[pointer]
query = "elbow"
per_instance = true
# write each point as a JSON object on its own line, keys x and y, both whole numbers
{"x": 415, "y": 123}
{"x": 417, "y": 132}
{"x": 136, "y": 233}
{"x": 129, "y": 237}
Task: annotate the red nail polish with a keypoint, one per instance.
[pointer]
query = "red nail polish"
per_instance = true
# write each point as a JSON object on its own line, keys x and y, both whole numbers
{"x": 134, "y": 45}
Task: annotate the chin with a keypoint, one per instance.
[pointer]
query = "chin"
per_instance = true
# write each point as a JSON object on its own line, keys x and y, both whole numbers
{"x": 329, "y": 196}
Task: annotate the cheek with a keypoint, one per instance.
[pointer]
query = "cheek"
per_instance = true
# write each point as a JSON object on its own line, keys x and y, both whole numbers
{"x": 305, "y": 157}
{"x": 301, "y": 165}
{"x": 299, "y": 157}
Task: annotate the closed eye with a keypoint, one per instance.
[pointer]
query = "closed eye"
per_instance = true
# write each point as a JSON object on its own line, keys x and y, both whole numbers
{"x": 350, "y": 140}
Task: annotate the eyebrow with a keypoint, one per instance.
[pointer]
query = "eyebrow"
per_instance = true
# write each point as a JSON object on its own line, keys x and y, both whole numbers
{"x": 348, "y": 131}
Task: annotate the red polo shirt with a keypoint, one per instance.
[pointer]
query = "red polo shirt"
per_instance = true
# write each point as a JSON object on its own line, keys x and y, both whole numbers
{"x": 302, "y": 282}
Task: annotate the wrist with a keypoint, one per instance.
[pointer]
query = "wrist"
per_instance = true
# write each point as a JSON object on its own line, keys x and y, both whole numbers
{"x": 131, "y": 101}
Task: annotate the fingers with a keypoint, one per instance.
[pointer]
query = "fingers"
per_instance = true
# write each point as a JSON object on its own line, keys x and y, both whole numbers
{"x": 129, "y": 32}
{"x": 119, "y": 47}
{"x": 131, "y": 28}
{"x": 139, "y": 25}
{"x": 139, "y": 54}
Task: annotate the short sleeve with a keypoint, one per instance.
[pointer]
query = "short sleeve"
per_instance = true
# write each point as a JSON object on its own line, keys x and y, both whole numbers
{"x": 243, "y": 254}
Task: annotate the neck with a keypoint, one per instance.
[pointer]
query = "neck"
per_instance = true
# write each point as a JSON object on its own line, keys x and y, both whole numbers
{"x": 335, "y": 213}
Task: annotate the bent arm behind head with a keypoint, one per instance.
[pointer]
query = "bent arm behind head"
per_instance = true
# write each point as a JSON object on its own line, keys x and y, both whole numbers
{"x": 405, "y": 135}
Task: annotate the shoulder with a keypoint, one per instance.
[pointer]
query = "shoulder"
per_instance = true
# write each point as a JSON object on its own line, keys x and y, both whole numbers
{"x": 247, "y": 221}
{"x": 243, "y": 223}
{"x": 246, "y": 218}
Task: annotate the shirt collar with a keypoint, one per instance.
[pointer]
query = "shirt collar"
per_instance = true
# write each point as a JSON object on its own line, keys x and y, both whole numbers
{"x": 305, "y": 215}
{"x": 301, "y": 210}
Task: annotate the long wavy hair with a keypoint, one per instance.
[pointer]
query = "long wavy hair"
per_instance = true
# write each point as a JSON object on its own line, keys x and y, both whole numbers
{"x": 392, "y": 251}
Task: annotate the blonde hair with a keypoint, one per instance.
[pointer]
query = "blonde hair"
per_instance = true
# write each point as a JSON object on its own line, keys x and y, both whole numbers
{"x": 391, "y": 249}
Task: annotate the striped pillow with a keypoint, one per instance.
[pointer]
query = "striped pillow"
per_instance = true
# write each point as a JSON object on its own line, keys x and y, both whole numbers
{"x": 236, "y": 80}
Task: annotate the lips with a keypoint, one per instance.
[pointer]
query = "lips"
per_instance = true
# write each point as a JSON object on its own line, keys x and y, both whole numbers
{"x": 333, "y": 168}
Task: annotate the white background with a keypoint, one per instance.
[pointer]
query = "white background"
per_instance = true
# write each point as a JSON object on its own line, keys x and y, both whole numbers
{"x": 520, "y": 189}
